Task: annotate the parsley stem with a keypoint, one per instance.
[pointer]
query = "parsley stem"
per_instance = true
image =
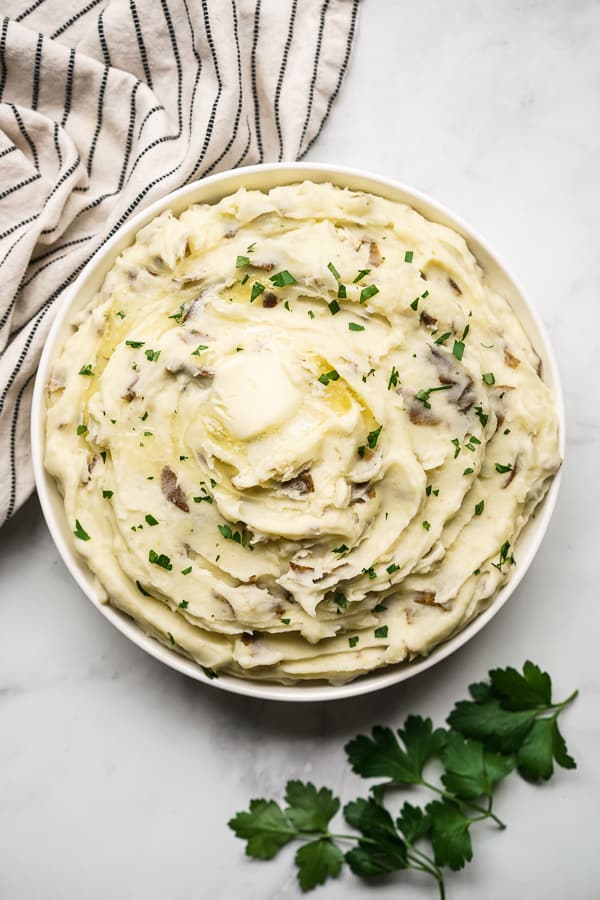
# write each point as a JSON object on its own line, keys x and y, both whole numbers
{"x": 426, "y": 865}
{"x": 486, "y": 814}
{"x": 560, "y": 706}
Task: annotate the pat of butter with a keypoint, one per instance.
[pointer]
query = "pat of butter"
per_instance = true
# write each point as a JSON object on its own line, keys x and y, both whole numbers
{"x": 252, "y": 393}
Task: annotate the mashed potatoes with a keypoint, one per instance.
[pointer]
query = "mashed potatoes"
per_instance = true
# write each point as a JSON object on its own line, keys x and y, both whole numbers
{"x": 298, "y": 434}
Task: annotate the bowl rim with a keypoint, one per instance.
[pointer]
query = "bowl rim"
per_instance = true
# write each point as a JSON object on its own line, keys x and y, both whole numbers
{"x": 298, "y": 691}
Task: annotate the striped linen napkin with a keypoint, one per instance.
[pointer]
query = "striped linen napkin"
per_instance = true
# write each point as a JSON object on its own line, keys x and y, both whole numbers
{"x": 108, "y": 105}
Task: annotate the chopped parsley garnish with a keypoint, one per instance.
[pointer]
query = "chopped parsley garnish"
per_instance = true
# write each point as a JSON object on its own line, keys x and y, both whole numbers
{"x": 361, "y": 450}
{"x": 370, "y": 572}
{"x": 426, "y": 525}
{"x": 151, "y": 520}
{"x": 423, "y": 395}
{"x": 379, "y": 608}
{"x": 504, "y": 557}
{"x": 257, "y": 289}
{"x": 334, "y": 307}
{"x": 503, "y": 468}
{"x": 506, "y": 431}
{"x": 443, "y": 337}
{"x": 415, "y": 303}
{"x": 408, "y": 256}
{"x": 392, "y": 568}
{"x": 81, "y": 429}
{"x": 184, "y": 604}
{"x": 103, "y": 456}
{"x": 326, "y": 377}
{"x": 280, "y": 279}
{"x": 489, "y": 378}
{"x": 369, "y": 373}
{"x": 142, "y": 590}
{"x": 458, "y": 349}
{"x": 210, "y": 673}
{"x": 287, "y": 306}
{"x": 354, "y": 326}
{"x": 341, "y": 292}
{"x": 239, "y": 537}
{"x": 199, "y": 349}
{"x": 86, "y": 370}
{"x": 333, "y": 271}
{"x": 381, "y": 632}
{"x": 479, "y": 507}
{"x": 186, "y": 571}
{"x": 368, "y": 292}
{"x": 310, "y": 313}
{"x": 107, "y": 494}
{"x": 171, "y": 638}
{"x": 241, "y": 261}
{"x": 361, "y": 274}
{"x": 353, "y": 641}
{"x": 340, "y": 600}
{"x": 286, "y": 621}
{"x": 466, "y": 331}
{"x": 483, "y": 418}
{"x": 80, "y": 532}
{"x": 468, "y": 471}
{"x": 341, "y": 550}
{"x": 203, "y": 497}
{"x": 121, "y": 314}
{"x": 250, "y": 247}
{"x": 393, "y": 379}
{"x": 135, "y": 344}
{"x": 183, "y": 458}
{"x": 373, "y": 437}
{"x": 152, "y": 355}
{"x": 178, "y": 316}
{"x": 245, "y": 279}
{"x": 160, "y": 559}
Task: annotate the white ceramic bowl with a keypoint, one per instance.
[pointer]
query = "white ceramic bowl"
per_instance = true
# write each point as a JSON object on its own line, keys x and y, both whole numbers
{"x": 209, "y": 190}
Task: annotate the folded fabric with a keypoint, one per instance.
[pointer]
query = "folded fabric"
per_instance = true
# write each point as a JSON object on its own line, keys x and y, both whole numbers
{"x": 108, "y": 107}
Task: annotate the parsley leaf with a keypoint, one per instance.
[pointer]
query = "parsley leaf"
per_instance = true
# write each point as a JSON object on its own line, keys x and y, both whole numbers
{"x": 80, "y": 532}
{"x": 383, "y": 850}
{"x": 309, "y": 809}
{"x": 382, "y": 754}
{"x": 280, "y": 279}
{"x": 317, "y": 861}
{"x": 265, "y": 828}
{"x": 450, "y": 834}
{"x": 522, "y": 691}
{"x": 470, "y": 772}
{"x": 413, "y": 822}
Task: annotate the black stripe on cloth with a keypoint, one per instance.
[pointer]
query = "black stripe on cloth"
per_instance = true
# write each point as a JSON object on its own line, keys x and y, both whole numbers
{"x": 313, "y": 81}
{"x": 12, "y": 450}
{"x": 247, "y": 147}
{"x": 99, "y": 120}
{"x": 140, "y": 41}
{"x": 7, "y": 151}
{"x": 238, "y": 113}
{"x": 68, "y": 88}
{"x": 68, "y": 172}
{"x": 12, "y": 247}
{"x": 29, "y": 10}
{"x": 340, "y": 77}
{"x": 165, "y": 138}
{"x": 25, "y": 134}
{"x": 56, "y": 249}
{"x": 147, "y": 116}
{"x": 198, "y": 66}
{"x": 102, "y": 39}
{"x": 3, "y": 56}
{"x": 286, "y": 50}
{"x": 21, "y": 184}
{"x": 57, "y": 146}
{"x": 66, "y": 25}
{"x": 129, "y": 139}
{"x": 253, "y": 77}
{"x": 16, "y": 227}
{"x": 213, "y": 112}
{"x": 35, "y": 93}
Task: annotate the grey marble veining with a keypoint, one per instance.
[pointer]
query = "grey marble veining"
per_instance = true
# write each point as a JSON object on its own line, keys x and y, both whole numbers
{"x": 117, "y": 775}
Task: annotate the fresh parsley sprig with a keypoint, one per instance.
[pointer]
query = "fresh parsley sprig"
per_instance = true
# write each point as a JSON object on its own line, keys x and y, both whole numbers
{"x": 510, "y": 723}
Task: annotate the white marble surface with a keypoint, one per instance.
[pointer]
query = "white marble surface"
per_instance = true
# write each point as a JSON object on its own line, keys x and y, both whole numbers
{"x": 117, "y": 775}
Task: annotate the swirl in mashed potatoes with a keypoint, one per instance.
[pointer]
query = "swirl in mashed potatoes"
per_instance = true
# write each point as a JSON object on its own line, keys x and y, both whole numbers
{"x": 298, "y": 434}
